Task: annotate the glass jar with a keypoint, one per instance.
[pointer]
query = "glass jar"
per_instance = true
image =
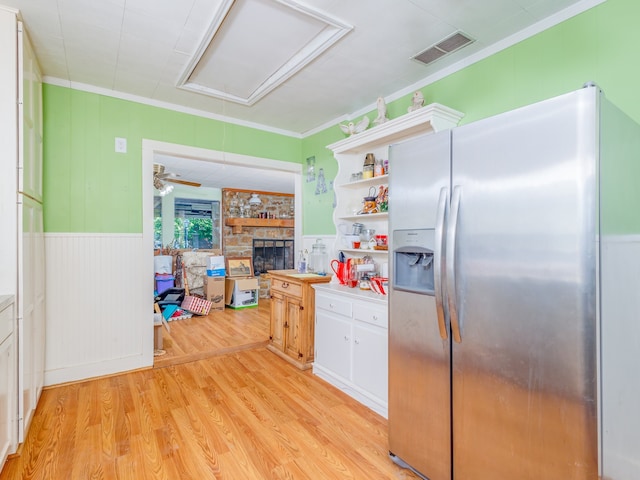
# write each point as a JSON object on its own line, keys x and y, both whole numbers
{"x": 318, "y": 259}
{"x": 378, "y": 167}
{"x": 367, "y": 172}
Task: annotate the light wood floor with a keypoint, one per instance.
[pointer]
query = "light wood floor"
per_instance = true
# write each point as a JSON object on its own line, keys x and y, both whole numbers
{"x": 237, "y": 415}
{"x": 220, "y": 332}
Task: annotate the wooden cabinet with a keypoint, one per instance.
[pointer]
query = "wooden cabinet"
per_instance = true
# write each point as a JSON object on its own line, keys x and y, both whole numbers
{"x": 291, "y": 328}
{"x": 8, "y": 383}
{"x": 351, "y": 344}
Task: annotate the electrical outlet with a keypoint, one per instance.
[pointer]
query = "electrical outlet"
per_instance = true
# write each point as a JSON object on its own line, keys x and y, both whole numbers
{"x": 121, "y": 145}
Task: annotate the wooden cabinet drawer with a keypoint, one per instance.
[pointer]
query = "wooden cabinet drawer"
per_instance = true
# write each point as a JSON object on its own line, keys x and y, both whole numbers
{"x": 291, "y": 289}
{"x": 6, "y": 322}
{"x": 373, "y": 315}
{"x": 333, "y": 304}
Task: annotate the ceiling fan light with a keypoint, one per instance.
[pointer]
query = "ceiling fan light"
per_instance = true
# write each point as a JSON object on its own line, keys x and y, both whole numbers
{"x": 166, "y": 190}
{"x": 157, "y": 183}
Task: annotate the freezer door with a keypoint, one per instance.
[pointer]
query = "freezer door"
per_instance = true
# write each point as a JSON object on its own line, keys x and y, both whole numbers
{"x": 524, "y": 372}
{"x": 419, "y": 359}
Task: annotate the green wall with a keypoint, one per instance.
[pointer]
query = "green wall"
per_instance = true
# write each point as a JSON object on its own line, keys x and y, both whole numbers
{"x": 600, "y": 44}
{"x": 89, "y": 188}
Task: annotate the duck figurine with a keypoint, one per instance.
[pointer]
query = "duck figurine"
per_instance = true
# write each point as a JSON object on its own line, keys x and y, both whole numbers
{"x": 353, "y": 128}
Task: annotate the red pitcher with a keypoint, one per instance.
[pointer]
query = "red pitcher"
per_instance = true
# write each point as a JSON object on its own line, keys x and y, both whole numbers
{"x": 341, "y": 269}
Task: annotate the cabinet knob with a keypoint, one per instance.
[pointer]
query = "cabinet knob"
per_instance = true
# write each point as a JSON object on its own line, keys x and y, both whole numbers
{"x": 375, "y": 317}
{"x": 331, "y": 305}
{"x": 285, "y": 285}
{"x": 356, "y": 341}
{"x": 346, "y": 339}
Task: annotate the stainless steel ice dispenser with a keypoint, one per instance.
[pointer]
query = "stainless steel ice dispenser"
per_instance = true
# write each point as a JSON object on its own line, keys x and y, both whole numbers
{"x": 413, "y": 261}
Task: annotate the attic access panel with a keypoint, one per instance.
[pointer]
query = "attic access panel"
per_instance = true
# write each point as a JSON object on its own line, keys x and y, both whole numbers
{"x": 253, "y": 46}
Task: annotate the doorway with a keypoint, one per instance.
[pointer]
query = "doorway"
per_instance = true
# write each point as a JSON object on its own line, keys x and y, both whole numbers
{"x": 152, "y": 150}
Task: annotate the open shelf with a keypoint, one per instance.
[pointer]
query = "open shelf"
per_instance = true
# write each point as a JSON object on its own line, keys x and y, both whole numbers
{"x": 367, "y": 182}
{"x": 370, "y": 216}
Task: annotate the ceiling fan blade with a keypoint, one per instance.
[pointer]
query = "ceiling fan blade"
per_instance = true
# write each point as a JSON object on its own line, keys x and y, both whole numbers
{"x": 183, "y": 182}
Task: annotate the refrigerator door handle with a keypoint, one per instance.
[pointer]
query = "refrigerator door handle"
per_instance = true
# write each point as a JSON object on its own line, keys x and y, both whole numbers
{"x": 450, "y": 257}
{"x": 441, "y": 218}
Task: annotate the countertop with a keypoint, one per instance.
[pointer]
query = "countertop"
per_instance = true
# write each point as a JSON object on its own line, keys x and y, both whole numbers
{"x": 303, "y": 277}
{"x": 354, "y": 293}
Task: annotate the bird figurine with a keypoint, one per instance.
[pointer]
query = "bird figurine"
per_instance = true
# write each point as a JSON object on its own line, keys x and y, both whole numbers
{"x": 382, "y": 112}
{"x": 417, "y": 101}
{"x": 353, "y": 128}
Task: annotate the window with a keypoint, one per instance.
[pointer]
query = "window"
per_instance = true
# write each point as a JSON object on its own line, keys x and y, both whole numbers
{"x": 196, "y": 223}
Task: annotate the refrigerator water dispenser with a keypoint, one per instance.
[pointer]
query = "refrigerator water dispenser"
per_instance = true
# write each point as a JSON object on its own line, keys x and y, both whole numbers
{"x": 413, "y": 261}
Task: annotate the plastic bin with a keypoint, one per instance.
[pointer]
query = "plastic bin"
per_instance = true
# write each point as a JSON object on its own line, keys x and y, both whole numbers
{"x": 164, "y": 282}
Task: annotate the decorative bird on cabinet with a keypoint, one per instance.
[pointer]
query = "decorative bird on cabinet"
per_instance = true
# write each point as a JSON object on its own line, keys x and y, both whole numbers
{"x": 353, "y": 128}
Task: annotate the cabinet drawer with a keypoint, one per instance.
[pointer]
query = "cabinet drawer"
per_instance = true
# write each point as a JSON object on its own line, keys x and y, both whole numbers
{"x": 333, "y": 304}
{"x": 374, "y": 315}
{"x": 291, "y": 289}
{"x": 6, "y": 322}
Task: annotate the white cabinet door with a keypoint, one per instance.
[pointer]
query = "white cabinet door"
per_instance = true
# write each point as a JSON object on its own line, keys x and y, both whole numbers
{"x": 8, "y": 384}
{"x": 31, "y": 311}
{"x": 7, "y": 398}
{"x": 370, "y": 366}
{"x": 333, "y": 343}
{"x": 30, "y": 118}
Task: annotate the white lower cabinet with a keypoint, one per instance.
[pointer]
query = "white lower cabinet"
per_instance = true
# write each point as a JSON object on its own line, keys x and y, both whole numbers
{"x": 351, "y": 344}
{"x": 8, "y": 384}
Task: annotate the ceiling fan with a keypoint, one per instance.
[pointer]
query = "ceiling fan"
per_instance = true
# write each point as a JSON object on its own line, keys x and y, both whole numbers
{"x": 160, "y": 177}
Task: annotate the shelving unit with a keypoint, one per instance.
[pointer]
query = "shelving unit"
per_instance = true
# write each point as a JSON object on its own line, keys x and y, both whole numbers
{"x": 350, "y": 154}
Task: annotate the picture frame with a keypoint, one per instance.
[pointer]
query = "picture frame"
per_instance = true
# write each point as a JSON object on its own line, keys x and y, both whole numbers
{"x": 239, "y": 266}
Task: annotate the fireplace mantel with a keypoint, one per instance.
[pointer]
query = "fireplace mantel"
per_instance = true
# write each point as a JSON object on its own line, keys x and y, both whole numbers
{"x": 236, "y": 224}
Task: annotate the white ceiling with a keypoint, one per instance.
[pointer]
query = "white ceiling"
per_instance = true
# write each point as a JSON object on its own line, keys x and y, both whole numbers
{"x": 272, "y": 60}
{"x": 226, "y": 175}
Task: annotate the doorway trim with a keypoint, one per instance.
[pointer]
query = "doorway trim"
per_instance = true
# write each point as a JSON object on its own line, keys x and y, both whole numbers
{"x": 152, "y": 147}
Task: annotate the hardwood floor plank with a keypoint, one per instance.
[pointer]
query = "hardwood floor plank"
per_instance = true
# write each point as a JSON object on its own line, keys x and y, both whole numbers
{"x": 238, "y": 413}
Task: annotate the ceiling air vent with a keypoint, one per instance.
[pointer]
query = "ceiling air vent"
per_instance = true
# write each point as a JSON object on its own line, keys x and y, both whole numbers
{"x": 445, "y": 47}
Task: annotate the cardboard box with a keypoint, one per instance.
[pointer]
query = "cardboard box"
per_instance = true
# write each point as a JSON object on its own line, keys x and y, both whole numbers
{"x": 241, "y": 292}
{"x": 216, "y": 266}
{"x": 214, "y": 291}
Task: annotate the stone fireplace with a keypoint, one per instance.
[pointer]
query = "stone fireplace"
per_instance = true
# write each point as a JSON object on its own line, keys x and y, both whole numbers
{"x": 267, "y": 228}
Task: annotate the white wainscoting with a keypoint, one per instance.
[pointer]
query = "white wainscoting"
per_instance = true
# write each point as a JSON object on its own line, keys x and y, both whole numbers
{"x": 99, "y": 307}
{"x": 620, "y": 330}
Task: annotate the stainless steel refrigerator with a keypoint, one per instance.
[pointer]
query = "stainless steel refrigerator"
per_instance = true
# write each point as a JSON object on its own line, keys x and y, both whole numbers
{"x": 498, "y": 321}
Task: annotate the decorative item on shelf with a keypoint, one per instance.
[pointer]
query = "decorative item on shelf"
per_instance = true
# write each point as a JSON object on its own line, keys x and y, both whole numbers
{"x": 353, "y": 128}
{"x": 368, "y": 238}
{"x": 378, "y": 167}
{"x": 382, "y": 112}
{"x": 356, "y": 176}
{"x": 417, "y": 102}
{"x": 242, "y": 208}
{"x": 382, "y": 200}
{"x": 254, "y": 204}
{"x": 234, "y": 206}
{"x": 368, "y": 165}
{"x": 369, "y": 202}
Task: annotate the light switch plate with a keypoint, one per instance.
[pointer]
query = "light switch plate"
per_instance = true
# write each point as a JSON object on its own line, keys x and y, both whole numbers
{"x": 121, "y": 145}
